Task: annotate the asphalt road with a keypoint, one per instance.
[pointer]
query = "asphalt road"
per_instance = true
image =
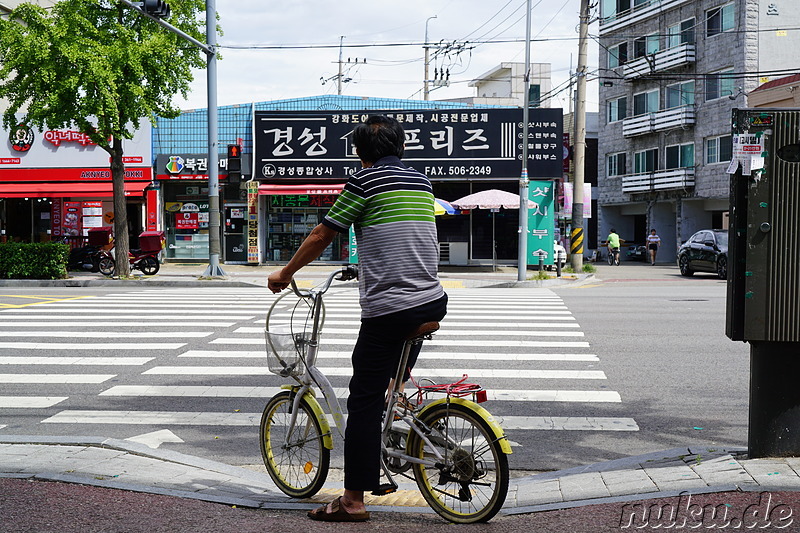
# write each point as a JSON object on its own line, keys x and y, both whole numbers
{"x": 659, "y": 341}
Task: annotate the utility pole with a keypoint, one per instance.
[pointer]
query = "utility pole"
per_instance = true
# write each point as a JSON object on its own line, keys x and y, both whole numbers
{"x": 522, "y": 248}
{"x": 577, "y": 236}
{"x": 426, "y": 81}
{"x": 339, "y": 77}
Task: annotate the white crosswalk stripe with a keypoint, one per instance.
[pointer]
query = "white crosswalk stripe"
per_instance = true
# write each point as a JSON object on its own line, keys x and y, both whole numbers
{"x": 511, "y": 341}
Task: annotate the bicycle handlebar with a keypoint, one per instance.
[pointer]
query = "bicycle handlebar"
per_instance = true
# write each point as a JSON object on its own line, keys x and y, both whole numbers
{"x": 346, "y": 273}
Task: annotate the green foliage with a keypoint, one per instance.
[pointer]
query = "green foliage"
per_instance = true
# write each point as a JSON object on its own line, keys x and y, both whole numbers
{"x": 588, "y": 267}
{"x": 97, "y": 64}
{"x": 541, "y": 274}
{"x": 38, "y": 260}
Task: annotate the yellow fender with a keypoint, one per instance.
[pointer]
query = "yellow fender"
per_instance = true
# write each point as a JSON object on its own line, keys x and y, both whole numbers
{"x": 310, "y": 397}
{"x": 481, "y": 412}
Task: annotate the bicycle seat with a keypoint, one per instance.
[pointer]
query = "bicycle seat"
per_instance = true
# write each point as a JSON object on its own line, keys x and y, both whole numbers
{"x": 424, "y": 329}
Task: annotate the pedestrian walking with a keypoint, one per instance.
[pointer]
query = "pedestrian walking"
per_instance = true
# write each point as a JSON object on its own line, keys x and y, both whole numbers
{"x": 391, "y": 208}
{"x": 653, "y": 242}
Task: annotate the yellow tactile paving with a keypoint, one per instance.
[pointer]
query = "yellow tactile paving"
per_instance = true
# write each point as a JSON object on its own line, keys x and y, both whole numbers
{"x": 452, "y": 284}
{"x": 400, "y": 498}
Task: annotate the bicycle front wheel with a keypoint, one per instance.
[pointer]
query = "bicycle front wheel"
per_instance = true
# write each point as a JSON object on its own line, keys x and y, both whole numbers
{"x": 296, "y": 459}
{"x": 472, "y": 483}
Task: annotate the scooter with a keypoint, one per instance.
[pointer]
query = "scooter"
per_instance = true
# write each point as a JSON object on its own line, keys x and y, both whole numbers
{"x": 144, "y": 258}
{"x": 84, "y": 258}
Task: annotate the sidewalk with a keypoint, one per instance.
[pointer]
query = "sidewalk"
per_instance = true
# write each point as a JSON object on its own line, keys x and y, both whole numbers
{"x": 132, "y": 466}
{"x": 192, "y": 274}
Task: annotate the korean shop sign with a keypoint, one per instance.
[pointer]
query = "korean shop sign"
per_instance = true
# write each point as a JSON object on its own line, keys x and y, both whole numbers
{"x": 444, "y": 144}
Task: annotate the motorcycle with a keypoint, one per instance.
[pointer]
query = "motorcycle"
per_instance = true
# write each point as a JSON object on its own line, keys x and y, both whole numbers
{"x": 144, "y": 259}
{"x": 87, "y": 257}
{"x": 84, "y": 258}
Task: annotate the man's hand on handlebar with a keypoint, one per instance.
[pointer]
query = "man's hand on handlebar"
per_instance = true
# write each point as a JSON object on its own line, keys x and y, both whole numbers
{"x": 277, "y": 281}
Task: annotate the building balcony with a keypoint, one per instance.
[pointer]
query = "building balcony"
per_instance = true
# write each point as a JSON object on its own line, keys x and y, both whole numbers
{"x": 639, "y": 12}
{"x": 660, "y": 180}
{"x": 663, "y": 60}
{"x": 667, "y": 119}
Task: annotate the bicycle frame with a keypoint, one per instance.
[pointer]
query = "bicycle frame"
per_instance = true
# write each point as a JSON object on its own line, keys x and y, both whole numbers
{"x": 313, "y": 376}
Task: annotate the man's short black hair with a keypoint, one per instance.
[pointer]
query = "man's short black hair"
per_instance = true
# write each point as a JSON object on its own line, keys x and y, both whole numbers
{"x": 379, "y": 136}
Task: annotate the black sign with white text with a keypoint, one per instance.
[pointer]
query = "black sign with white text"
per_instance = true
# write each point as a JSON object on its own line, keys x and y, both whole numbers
{"x": 451, "y": 144}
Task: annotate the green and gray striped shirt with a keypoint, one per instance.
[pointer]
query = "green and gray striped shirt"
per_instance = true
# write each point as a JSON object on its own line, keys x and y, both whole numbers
{"x": 391, "y": 207}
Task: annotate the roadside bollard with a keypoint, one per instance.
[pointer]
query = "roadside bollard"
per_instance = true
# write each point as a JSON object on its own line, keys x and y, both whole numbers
{"x": 558, "y": 267}
{"x": 541, "y": 263}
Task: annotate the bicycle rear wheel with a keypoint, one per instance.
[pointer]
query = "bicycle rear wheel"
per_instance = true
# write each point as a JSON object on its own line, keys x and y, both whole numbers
{"x": 297, "y": 464}
{"x": 472, "y": 484}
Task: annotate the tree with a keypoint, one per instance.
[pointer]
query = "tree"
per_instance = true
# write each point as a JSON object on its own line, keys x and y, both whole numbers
{"x": 100, "y": 67}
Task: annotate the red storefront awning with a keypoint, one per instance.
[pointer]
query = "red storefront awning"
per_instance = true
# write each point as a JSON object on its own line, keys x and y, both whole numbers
{"x": 70, "y": 189}
{"x": 307, "y": 188}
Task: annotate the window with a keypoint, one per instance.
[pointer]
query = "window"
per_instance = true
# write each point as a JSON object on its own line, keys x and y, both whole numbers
{"x": 645, "y": 45}
{"x": 719, "y": 19}
{"x": 617, "y": 109}
{"x": 682, "y": 33}
{"x": 617, "y": 55}
{"x": 680, "y": 156}
{"x": 718, "y": 149}
{"x": 720, "y": 84}
{"x": 680, "y": 94}
{"x": 615, "y": 164}
{"x": 645, "y": 161}
{"x": 645, "y": 103}
{"x": 614, "y": 8}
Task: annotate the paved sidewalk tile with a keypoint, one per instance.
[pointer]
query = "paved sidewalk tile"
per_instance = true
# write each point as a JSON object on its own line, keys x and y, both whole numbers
{"x": 536, "y": 492}
{"x": 722, "y": 471}
{"x": 625, "y": 482}
{"x": 772, "y": 473}
{"x": 583, "y": 486}
{"x": 674, "y": 475}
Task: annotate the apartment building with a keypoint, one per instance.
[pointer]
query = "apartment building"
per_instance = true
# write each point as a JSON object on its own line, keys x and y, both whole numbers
{"x": 671, "y": 72}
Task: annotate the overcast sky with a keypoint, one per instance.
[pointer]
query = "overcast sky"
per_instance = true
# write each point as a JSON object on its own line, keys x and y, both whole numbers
{"x": 395, "y": 69}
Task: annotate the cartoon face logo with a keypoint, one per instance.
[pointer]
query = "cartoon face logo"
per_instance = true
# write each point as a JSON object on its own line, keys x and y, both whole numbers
{"x": 175, "y": 164}
{"x": 21, "y": 138}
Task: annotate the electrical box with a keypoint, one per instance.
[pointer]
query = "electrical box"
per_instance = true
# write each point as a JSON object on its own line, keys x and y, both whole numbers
{"x": 764, "y": 234}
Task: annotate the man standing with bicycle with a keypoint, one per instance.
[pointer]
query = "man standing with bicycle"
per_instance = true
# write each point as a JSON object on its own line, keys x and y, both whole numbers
{"x": 391, "y": 207}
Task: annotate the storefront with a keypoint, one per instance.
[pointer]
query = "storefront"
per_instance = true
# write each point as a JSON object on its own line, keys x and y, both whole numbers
{"x": 57, "y": 183}
{"x": 183, "y": 184}
{"x": 461, "y": 151}
{"x": 292, "y": 212}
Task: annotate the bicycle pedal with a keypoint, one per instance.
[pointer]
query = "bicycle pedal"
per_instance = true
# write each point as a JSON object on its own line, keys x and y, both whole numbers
{"x": 383, "y": 490}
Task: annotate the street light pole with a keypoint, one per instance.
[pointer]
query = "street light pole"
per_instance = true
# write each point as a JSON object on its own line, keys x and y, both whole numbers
{"x": 522, "y": 248}
{"x": 426, "y": 81}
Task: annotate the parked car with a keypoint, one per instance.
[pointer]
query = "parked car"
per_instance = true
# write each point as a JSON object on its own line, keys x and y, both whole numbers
{"x": 638, "y": 252}
{"x": 559, "y": 254}
{"x": 705, "y": 251}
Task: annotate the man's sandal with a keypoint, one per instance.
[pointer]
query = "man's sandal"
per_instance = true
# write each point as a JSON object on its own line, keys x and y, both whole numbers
{"x": 337, "y": 514}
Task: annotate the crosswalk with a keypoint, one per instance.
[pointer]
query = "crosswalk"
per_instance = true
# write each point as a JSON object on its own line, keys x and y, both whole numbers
{"x": 206, "y": 344}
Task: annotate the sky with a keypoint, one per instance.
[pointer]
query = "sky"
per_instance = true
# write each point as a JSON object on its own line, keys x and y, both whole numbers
{"x": 383, "y": 46}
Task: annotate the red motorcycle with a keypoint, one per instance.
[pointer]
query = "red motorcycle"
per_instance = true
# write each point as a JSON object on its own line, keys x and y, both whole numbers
{"x": 144, "y": 258}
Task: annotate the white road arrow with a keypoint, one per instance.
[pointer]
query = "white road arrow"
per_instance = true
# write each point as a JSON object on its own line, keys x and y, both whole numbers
{"x": 156, "y": 438}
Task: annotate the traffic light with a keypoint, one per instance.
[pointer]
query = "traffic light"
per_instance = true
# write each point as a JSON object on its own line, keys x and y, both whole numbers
{"x": 234, "y": 163}
{"x": 156, "y": 8}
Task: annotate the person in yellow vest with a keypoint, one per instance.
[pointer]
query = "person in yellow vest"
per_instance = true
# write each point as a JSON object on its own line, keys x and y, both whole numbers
{"x": 613, "y": 245}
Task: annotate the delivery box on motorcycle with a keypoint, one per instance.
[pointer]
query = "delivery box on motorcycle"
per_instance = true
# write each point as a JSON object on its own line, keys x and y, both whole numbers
{"x": 152, "y": 241}
{"x": 100, "y": 237}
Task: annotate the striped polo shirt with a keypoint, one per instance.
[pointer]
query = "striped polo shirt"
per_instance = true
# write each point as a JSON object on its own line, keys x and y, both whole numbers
{"x": 391, "y": 207}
